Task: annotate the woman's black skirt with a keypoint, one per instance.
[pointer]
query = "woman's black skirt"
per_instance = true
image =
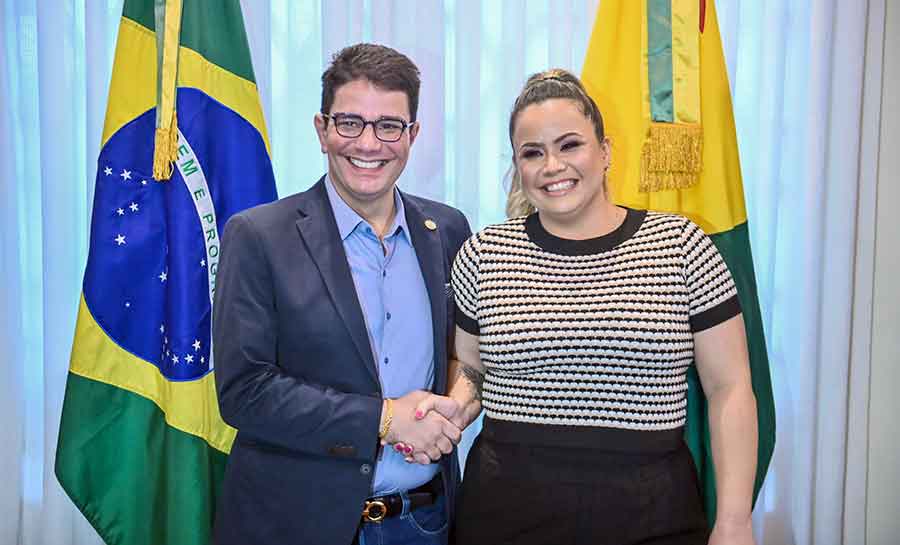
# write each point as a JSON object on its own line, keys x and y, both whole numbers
{"x": 604, "y": 486}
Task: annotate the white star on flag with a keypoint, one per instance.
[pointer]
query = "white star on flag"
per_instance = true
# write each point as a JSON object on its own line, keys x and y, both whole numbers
{"x": 202, "y": 262}
{"x": 120, "y": 240}
{"x": 174, "y": 358}
{"x": 133, "y": 207}
{"x": 196, "y": 344}
{"x": 143, "y": 182}
{"x": 163, "y": 276}
{"x": 189, "y": 358}
{"x": 107, "y": 171}
{"x": 120, "y": 212}
{"x": 126, "y": 174}
{"x": 162, "y": 328}
{"x": 202, "y": 359}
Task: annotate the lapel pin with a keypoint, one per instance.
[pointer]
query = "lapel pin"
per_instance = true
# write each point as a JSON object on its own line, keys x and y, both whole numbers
{"x": 430, "y": 224}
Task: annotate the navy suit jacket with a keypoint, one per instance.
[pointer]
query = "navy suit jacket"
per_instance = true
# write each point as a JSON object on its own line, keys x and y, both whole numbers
{"x": 295, "y": 372}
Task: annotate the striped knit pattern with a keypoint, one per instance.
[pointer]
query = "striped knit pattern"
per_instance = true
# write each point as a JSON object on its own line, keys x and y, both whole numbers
{"x": 599, "y": 336}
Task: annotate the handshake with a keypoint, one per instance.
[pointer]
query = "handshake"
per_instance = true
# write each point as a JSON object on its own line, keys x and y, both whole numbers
{"x": 425, "y": 426}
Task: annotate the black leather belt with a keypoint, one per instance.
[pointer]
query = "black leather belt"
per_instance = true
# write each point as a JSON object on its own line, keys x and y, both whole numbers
{"x": 378, "y": 508}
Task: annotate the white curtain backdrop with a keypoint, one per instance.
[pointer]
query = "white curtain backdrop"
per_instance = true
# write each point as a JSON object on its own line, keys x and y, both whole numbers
{"x": 804, "y": 117}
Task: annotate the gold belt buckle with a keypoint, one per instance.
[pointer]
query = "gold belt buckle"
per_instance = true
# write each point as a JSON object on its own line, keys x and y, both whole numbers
{"x": 374, "y": 511}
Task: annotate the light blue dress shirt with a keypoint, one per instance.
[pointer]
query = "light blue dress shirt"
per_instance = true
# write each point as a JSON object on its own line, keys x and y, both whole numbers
{"x": 395, "y": 304}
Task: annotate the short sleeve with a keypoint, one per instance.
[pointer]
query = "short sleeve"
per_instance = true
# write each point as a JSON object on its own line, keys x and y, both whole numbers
{"x": 713, "y": 295}
{"x": 464, "y": 281}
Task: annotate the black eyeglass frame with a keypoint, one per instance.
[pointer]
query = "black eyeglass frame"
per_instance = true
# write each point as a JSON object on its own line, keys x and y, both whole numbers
{"x": 335, "y": 117}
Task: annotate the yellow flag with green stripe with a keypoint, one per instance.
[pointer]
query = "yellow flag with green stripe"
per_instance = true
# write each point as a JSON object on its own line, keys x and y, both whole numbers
{"x": 656, "y": 66}
{"x": 142, "y": 447}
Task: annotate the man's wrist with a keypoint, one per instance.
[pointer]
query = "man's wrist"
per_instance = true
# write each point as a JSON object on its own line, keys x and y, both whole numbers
{"x": 387, "y": 418}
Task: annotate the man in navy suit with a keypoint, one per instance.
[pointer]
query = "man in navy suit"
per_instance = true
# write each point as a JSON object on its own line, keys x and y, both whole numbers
{"x": 331, "y": 324}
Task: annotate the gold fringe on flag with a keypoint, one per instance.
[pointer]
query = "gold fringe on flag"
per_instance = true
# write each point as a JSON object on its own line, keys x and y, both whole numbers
{"x": 168, "y": 29}
{"x": 672, "y": 157}
{"x": 165, "y": 150}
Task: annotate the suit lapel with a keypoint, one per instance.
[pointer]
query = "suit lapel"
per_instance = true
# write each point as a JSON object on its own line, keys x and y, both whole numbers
{"x": 319, "y": 232}
{"x": 431, "y": 255}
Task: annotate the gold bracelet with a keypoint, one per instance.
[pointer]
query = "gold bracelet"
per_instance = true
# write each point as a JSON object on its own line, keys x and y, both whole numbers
{"x": 388, "y": 418}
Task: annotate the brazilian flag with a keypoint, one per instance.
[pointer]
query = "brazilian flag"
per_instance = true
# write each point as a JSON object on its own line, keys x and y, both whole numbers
{"x": 142, "y": 447}
{"x": 656, "y": 70}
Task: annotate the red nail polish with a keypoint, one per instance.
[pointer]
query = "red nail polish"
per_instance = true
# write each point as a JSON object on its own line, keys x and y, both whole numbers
{"x": 419, "y": 414}
{"x": 408, "y": 450}
{"x": 398, "y": 448}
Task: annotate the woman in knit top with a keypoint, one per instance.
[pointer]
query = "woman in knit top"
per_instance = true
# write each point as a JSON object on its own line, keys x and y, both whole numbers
{"x": 577, "y": 321}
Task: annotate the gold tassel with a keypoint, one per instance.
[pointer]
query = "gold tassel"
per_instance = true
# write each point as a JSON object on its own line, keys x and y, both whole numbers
{"x": 672, "y": 157}
{"x": 165, "y": 150}
{"x": 168, "y": 32}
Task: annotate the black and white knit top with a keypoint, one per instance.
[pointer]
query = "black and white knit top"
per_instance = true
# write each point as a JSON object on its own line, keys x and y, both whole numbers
{"x": 591, "y": 332}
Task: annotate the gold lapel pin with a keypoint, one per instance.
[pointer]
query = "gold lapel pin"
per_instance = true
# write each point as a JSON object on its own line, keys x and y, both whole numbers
{"x": 430, "y": 225}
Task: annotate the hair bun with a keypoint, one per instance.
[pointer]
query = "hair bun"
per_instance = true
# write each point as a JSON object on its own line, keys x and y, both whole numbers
{"x": 555, "y": 75}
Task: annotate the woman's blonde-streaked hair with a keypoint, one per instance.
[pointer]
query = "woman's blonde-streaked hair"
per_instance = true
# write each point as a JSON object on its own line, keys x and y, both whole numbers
{"x": 546, "y": 85}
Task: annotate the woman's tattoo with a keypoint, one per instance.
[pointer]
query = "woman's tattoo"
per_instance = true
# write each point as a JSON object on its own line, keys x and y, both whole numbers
{"x": 475, "y": 378}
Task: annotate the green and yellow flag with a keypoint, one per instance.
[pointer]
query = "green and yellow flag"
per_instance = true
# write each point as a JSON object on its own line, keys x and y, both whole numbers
{"x": 142, "y": 447}
{"x": 657, "y": 72}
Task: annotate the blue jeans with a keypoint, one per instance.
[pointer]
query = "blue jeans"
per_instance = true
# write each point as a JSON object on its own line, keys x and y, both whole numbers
{"x": 425, "y": 526}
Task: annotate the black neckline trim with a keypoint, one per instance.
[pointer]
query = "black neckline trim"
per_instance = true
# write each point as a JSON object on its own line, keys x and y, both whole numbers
{"x": 565, "y": 246}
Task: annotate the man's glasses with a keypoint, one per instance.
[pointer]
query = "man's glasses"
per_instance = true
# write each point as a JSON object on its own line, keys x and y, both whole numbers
{"x": 351, "y": 126}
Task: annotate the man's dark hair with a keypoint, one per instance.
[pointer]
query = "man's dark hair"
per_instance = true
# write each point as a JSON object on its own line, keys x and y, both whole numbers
{"x": 384, "y": 67}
